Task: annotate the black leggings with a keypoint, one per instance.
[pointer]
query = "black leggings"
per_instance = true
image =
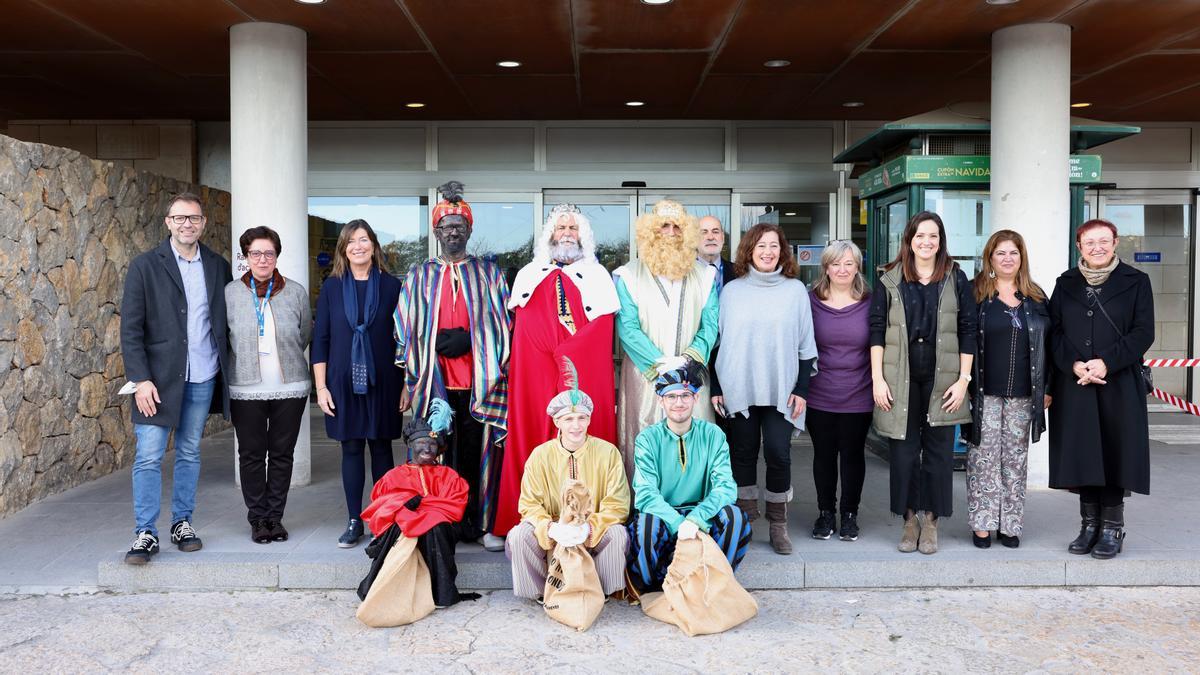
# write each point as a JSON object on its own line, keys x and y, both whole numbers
{"x": 1104, "y": 495}
{"x": 838, "y": 440}
{"x": 354, "y": 467}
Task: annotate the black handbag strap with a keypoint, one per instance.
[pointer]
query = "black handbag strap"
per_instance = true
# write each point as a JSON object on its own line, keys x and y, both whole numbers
{"x": 1095, "y": 297}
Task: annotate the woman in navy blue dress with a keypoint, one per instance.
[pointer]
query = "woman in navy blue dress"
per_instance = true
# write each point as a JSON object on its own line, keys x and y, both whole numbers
{"x": 353, "y": 352}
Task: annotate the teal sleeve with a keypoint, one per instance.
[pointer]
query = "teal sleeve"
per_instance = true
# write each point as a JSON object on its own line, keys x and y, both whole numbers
{"x": 647, "y": 497}
{"x": 634, "y": 341}
{"x": 722, "y": 488}
{"x": 706, "y": 336}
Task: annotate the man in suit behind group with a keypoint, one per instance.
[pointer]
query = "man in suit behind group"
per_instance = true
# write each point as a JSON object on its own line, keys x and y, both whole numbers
{"x": 173, "y": 342}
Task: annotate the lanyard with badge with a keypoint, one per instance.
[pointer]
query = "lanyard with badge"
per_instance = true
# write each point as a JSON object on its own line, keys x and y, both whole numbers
{"x": 260, "y": 310}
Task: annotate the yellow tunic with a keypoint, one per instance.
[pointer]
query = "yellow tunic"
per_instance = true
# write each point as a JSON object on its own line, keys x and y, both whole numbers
{"x": 597, "y": 463}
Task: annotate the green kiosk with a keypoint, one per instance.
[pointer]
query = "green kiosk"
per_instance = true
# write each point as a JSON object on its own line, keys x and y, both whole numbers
{"x": 940, "y": 161}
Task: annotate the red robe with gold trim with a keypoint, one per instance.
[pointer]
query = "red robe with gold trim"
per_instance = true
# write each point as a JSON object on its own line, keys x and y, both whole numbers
{"x": 443, "y": 499}
{"x": 540, "y": 340}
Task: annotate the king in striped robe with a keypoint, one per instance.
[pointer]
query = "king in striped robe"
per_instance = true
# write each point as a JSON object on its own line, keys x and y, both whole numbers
{"x": 478, "y": 389}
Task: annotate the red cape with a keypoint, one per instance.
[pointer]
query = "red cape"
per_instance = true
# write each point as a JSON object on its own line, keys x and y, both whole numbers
{"x": 443, "y": 499}
{"x": 535, "y": 375}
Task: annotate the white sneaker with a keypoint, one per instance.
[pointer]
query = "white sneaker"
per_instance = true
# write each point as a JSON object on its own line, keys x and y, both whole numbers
{"x": 491, "y": 542}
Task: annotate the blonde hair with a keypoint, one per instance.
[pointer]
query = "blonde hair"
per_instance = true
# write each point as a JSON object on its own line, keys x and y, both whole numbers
{"x": 834, "y": 252}
{"x": 672, "y": 257}
{"x": 985, "y": 281}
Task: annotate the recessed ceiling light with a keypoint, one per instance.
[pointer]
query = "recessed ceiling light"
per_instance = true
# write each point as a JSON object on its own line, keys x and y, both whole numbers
{"x": 1002, "y": 2}
{"x": 790, "y": 213}
{"x": 853, "y": 104}
{"x": 509, "y": 64}
{"x": 414, "y": 105}
{"x": 635, "y": 104}
{"x": 777, "y": 63}
{"x": 311, "y": 2}
{"x": 656, "y": 2}
{"x": 1080, "y": 105}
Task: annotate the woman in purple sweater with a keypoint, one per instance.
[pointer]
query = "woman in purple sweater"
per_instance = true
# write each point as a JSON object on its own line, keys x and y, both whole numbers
{"x": 839, "y": 399}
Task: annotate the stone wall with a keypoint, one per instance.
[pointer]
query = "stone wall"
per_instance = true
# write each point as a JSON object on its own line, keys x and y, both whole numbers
{"x": 69, "y": 226}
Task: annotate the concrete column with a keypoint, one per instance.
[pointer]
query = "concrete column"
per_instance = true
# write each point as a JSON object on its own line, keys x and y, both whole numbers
{"x": 268, "y": 114}
{"x": 1031, "y": 97}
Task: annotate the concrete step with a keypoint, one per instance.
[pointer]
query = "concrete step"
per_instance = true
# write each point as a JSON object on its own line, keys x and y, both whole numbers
{"x": 761, "y": 570}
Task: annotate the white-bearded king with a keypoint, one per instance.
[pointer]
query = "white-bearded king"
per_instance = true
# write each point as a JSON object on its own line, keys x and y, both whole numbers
{"x": 668, "y": 316}
{"x": 563, "y": 305}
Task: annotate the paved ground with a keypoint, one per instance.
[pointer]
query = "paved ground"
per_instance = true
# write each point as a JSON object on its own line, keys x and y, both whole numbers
{"x": 75, "y": 540}
{"x": 1151, "y": 630}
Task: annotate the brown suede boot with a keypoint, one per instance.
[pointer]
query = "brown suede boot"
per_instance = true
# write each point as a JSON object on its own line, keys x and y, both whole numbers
{"x": 750, "y": 506}
{"x": 928, "y": 540}
{"x": 747, "y": 500}
{"x": 777, "y": 516}
{"x": 908, "y": 537}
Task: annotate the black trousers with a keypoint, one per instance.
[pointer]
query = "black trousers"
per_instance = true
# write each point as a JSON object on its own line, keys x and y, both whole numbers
{"x": 922, "y": 465}
{"x": 437, "y": 548}
{"x": 769, "y": 428}
{"x": 839, "y": 441}
{"x": 266, "y": 434}
{"x": 464, "y": 454}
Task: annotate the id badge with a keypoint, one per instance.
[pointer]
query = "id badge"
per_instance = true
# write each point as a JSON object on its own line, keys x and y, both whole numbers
{"x": 264, "y": 346}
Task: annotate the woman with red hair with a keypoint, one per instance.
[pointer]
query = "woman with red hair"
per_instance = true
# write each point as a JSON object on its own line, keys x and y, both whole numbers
{"x": 1102, "y": 318}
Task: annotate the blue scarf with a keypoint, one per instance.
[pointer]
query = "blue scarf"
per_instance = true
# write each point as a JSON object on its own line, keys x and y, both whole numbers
{"x": 362, "y": 361}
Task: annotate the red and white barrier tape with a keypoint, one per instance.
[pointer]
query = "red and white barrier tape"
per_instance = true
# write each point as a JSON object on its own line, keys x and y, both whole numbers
{"x": 1177, "y": 402}
{"x": 1172, "y": 363}
{"x": 1172, "y": 399}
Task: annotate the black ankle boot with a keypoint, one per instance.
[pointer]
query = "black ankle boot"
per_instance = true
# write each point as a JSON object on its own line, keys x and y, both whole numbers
{"x": 1089, "y": 531}
{"x": 1112, "y": 532}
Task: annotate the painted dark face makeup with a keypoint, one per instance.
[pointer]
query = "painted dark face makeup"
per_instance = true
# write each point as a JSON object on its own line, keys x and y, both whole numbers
{"x": 453, "y": 232}
{"x": 425, "y": 451}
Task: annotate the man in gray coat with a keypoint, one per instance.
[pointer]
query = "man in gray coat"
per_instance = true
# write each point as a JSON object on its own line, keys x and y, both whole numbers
{"x": 174, "y": 344}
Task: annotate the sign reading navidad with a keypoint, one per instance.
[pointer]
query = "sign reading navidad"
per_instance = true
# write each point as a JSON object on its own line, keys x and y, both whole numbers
{"x": 955, "y": 169}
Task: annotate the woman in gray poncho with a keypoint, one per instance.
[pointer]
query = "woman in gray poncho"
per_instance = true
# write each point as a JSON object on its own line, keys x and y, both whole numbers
{"x": 764, "y": 361}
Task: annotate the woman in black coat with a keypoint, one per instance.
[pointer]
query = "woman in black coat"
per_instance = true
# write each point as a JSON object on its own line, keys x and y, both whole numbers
{"x": 1102, "y": 318}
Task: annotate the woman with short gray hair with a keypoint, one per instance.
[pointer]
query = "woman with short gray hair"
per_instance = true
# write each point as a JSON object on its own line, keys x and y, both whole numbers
{"x": 269, "y": 328}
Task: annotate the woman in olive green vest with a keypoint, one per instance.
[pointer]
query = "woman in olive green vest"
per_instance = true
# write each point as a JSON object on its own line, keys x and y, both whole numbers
{"x": 922, "y": 346}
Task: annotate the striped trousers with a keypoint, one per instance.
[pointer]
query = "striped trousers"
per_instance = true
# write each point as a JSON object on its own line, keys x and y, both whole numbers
{"x": 652, "y": 545}
{"x": 529, "y": 560}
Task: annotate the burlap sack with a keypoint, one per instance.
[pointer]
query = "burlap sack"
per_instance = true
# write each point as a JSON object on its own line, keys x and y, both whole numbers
{"x": 573, "y": 595}
{"x": 402, "y": 592}
{"x": 700, "y": 594}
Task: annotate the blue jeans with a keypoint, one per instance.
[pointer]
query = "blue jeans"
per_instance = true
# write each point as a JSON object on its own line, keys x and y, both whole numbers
{"x": 147, "y": 462}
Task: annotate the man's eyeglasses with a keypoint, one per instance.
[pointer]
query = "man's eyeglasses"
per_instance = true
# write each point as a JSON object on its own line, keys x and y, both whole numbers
{"x": 672, "y": 399}
{"x": 451, "y": 227}
{"x": 179, "y": 220}
{"x": 263, "y": 255}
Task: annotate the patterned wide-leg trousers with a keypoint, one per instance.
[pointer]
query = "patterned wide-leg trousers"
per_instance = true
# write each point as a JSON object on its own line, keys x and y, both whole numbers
{"x": 998, "y": 467}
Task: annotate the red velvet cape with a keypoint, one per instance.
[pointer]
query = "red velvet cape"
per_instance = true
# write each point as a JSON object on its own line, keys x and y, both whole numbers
{"x": 443, "y": 499}
{"x": 535, "y": 375}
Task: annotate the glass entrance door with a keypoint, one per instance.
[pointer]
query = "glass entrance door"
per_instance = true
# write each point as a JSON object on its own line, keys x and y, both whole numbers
{"x": 1155, "y": 236}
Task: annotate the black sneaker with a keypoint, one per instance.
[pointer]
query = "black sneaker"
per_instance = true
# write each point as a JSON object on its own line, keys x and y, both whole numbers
{"x": 354, "y": 532}
{"x": 849, "y": 531}
{"x": 823, "y": 528}
{"x": 144, "y": 546}
{"x": 184, "y": 536}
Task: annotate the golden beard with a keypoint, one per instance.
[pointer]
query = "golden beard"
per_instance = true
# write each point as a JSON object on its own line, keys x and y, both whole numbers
{"x": 671, "y": 257}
